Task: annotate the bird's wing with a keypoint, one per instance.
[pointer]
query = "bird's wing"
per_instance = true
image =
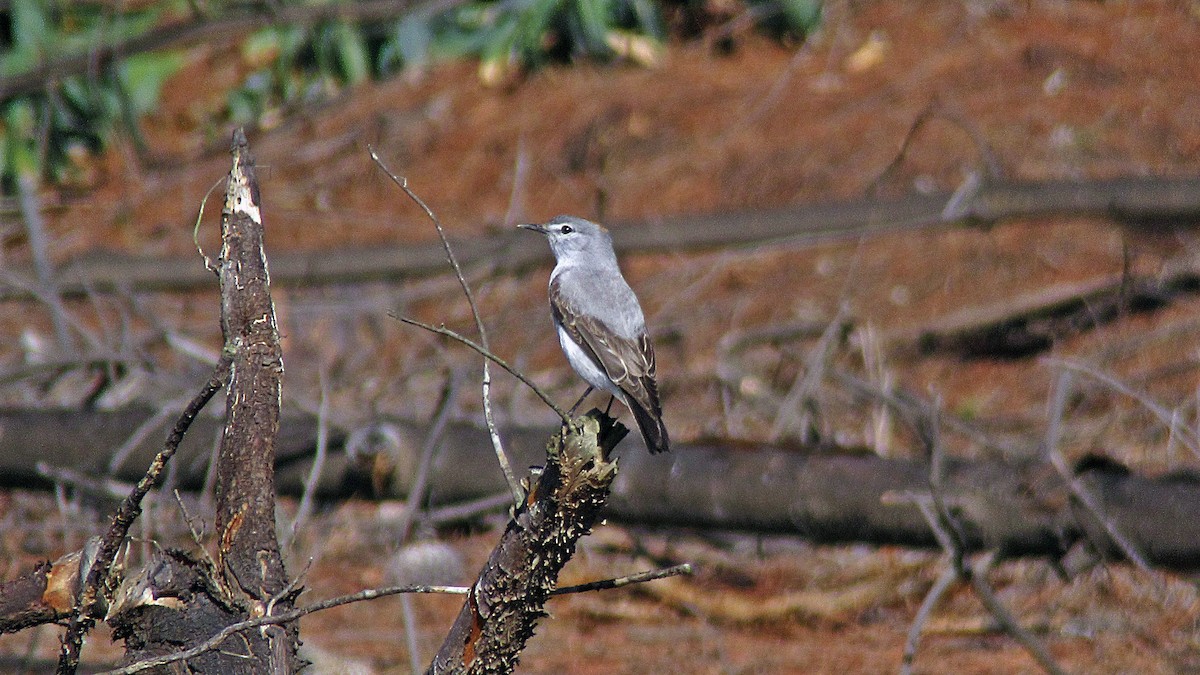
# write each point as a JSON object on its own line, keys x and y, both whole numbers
{"x": 628, "y": 362}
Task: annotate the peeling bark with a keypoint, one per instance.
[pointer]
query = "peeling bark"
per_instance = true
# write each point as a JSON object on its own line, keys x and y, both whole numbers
{"x": 45, "y": 594}
{"x": 248, "y": 549}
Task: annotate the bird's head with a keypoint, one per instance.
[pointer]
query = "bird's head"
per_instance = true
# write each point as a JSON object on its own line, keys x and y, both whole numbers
{"x": 569, "y": 236}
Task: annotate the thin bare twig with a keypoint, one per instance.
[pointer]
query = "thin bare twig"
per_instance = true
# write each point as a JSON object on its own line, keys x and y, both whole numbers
{"x": 467, "y": 510}
{"x": 1164, "y": 414}
{"x": 983, "y": 589}
{"x": 641, "y": 577}
{"x": 433, "y": 441}
{"x": 944, "y": 581}
{"x": 497, "y": 444}
{"x": 800, "y": 401}
{"x": 103, "y": 487}
{"x": 946, "y": 529}
{"x": 35, "y": 229}
{"x": 977, "y": 577}
{"x": 142, "y": 432}
{"x": 486, "y": 353}
{"x": 988, "y": 164}
{"x": 409, "y": 617}
{"x": 276, "y": 619}
{"x": 1058, "y": 401}
{"x": 304, "y": 509}
{"x": 909, "y": 407}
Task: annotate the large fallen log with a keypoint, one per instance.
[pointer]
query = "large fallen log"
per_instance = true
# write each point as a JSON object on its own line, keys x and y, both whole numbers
{"x": 1020, "y": 509}
{"x": 1135, "y": 200}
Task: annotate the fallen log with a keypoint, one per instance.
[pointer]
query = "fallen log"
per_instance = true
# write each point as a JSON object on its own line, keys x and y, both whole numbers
{"x": 1134, "y": 200}
{"x": 1033, "y": 322}
{"x": 1019, "y": 508}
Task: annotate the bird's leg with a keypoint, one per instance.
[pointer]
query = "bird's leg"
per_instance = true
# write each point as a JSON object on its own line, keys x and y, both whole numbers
{"x": 571, "y": 413}
{"x": 609, "y": 406}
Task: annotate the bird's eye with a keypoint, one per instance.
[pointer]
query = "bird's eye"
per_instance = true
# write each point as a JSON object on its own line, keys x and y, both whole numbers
{"x": 566, "y": 229}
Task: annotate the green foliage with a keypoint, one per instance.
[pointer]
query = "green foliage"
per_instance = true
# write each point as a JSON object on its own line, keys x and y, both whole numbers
{"x": 42, "y": 134}
{"x": 505, "y": 35}
{"x": 800, "y": 17}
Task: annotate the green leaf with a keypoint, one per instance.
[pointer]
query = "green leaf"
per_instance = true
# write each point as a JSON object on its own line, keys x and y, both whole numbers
{"x": 351, "y": 51}
{"x": 803, "y": 16}
{"x": 143, "y": 76}
{"x": 19, "y": 122}
{"x": 649, "y": 19}
{"x": 410, "y": 43}
{"x": 595, "y": 20}
{"x": 30, "y": 25}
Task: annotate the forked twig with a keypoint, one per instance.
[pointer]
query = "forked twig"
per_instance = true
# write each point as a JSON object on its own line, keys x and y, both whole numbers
{"x": 497, "y": 444}
{"x": 946, "y": 529}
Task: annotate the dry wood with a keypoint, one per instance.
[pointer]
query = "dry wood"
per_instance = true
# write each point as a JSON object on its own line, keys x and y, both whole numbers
{"x": 1023, "y": 508}
{"x": 563, "y": 502}
{"x": 100, "y": 581}
{"x": 248, "y": 549}
{"x": 1032, "y": 322}
{"x": 46, "y": 593}
{"x": 1136, "y": 200}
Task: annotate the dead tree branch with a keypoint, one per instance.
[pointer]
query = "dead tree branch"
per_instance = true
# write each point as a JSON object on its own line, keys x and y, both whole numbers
{"x": 944, "y": 523}
{"x": 47, "y": 593}
{"x": 507, "y": 599}
{"x": 248, "y": 549}
{"x": 99, "y": 582}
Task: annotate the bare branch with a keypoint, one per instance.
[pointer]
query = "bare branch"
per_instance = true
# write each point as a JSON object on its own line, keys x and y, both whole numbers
{"x": 944, "y": 581}
{"x": 946, "y": 529}
{"x": 486, "y": 353}
{"x": 370, "y": 594}
{"x": 650, "y": 575}
{"x": 497, "y": 444}
{"x": 83, "y": 614}
{"x": 983, "y": 589}
{"x": 1164, "y": 414}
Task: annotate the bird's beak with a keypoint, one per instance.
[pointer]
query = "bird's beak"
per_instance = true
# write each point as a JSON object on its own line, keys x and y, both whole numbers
{"x": 533, "y": 227}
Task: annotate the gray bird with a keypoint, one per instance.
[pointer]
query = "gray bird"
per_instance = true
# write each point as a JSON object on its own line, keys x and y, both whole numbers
{"x": 600, "y": 323}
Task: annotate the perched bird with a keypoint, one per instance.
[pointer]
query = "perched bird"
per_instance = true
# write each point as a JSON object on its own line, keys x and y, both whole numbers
{"x": 600, "y": 323}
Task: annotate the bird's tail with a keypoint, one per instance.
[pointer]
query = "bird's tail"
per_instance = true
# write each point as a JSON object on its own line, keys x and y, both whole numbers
{"x": 654, "y": 432}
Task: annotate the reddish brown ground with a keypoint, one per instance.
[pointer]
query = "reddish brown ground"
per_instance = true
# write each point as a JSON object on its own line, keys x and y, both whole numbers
{"x": 1056, "y": 88}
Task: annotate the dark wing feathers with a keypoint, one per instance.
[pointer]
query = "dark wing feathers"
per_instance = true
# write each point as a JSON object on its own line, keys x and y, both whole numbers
{"x": 629, "y": 364}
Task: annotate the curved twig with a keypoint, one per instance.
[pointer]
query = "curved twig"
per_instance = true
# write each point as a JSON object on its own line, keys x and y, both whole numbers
{"x": 501, "y": 456}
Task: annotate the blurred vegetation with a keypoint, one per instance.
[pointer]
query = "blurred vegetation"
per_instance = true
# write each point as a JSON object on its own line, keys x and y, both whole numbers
{"x": 47, "y": 130}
